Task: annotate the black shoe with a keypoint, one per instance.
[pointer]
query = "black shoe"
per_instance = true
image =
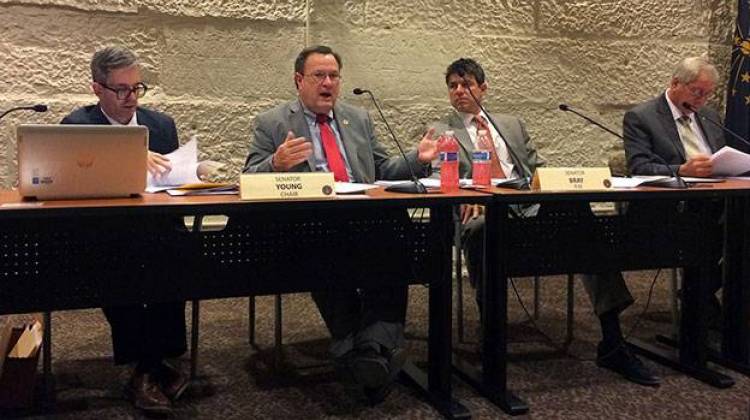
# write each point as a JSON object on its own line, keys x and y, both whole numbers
{"x": 370, "y": 368}
{"x": 377, "y": 395}
{"x": 621, "y": 360}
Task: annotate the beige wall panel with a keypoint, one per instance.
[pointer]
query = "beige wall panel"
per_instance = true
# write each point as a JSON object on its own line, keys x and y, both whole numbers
{"x": 647, "y": 19}
{"x": 274, "y": 10}
{"x": 54, "y": 57}
{"x": 481, "y": 16}
{"x": 398, "y": 64}
{"x": 123, "y": 6}
{"x": 237, "y": 61}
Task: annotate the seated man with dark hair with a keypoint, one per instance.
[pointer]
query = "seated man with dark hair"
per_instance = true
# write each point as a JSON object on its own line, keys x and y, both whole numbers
{"x": 145, "y": 334}
{"x": 608, "y": 292}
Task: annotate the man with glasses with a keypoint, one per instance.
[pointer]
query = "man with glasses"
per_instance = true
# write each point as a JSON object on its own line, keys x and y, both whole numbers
{"x": 146, "y": 334}
{"x": 315, "y": 132}
{"x": 670, "y": 129}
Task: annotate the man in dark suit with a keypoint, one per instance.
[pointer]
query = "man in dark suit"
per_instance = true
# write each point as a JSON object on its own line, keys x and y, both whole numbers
{"x": 315, "y": 132}
{"x": 671, "y": 129}
{"x": 144, "y": 334}
{"x": 608, "y": 292}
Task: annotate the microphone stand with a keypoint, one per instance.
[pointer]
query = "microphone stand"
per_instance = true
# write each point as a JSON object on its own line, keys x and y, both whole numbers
{"x": 35, "y": 108}
{"x": 675, "y": 181}
{"x": 411, "y": 187}
{"x": 521, "y": 183}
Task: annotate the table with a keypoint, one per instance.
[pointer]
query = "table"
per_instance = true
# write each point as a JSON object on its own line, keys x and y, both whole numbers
{"x": 563, "y": 242}
{"x": 72, "y": 254}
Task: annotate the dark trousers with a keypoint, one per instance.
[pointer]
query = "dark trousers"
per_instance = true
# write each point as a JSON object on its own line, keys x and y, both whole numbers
{"x": 147, "y": 333}
{"x": 607, "y": 290}
{"x": 359, "y": 318}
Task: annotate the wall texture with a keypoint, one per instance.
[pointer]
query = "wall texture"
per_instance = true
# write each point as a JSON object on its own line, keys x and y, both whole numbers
{"x": 214, "y": 64}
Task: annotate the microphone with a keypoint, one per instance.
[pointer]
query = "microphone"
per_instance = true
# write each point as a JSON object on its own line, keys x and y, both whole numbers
{"x": 716, "y": 123}
{"x": 413, "y": 186}
{"x": 35, "y": 108}
{"x": 521, "y": 183}
{"x": 675, "y": 182}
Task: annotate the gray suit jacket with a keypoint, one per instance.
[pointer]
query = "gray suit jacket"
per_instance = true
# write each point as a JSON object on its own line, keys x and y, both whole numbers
{"x": 367, "y": 157}
{"x": 512, "y": 130}
{"x": 650, "y": 132}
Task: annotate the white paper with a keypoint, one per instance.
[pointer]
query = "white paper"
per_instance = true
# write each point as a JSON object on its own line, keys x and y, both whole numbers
{"x": 427, "y": 182}
{"x": 730, "y": 162}
{"x": 184, "y": 163}
{"x": 621, "y": 182}
{"x": 352, "y": 187}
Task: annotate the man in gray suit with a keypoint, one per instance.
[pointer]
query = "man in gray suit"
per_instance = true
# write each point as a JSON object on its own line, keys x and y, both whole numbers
{"x": 608, "y": 291}
{"x": 315, "y": 132}
{"x": 666, "y": 128}
{"x": 671, "y": 129}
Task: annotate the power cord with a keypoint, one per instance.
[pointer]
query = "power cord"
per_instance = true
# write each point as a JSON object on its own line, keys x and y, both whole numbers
{"x": 564, "y": 350}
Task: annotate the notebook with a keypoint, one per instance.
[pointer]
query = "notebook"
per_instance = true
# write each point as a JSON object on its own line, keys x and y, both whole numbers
{"x": 81, "y": 161}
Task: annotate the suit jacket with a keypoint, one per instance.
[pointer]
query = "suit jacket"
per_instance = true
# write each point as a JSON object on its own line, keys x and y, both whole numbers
{"x": 513, "y": 131}
{"x": 162, "y": 133}
{"x": 650, "y": 132}
{"x": 367, "y": 157}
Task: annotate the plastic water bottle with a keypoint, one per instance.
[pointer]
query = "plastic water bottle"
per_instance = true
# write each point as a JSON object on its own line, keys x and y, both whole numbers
{"x": 480, "y": 161}
{"x": 448, "y": 150}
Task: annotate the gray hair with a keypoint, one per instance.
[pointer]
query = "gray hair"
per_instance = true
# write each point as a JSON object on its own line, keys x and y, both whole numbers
{"x": 690, "y": 68}
{"x": 108, "y": 59}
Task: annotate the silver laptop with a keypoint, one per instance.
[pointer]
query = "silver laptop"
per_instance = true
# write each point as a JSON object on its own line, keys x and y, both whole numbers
{"x": 81, "y": 161}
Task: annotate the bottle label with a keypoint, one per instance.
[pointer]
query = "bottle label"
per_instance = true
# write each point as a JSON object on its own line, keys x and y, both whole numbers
{"x": 448, "y": 156}
{"x": 480, "y": 155}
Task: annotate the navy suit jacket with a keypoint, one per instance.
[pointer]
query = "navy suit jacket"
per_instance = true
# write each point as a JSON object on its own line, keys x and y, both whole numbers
{"x": 162, "y": 133}
{"x": 650, "y": 131}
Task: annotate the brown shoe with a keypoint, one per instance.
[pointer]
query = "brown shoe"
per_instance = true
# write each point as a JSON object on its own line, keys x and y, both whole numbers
{"x": 146, "y": 394}
{"x": 172, "y": 382}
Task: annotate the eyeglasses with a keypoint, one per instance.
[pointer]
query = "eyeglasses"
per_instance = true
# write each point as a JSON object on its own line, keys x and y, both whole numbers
{"x": 320, "y": 76}
{"x": 699, "y": 93}
{"x": 138, "y": 89}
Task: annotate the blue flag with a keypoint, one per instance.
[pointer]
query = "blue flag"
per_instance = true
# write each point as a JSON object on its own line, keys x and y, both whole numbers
{"x": 738, "y": 93}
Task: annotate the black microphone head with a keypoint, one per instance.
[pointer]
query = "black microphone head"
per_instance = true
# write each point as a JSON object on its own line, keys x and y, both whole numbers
{"x": 688, "y": 107}
{"x": 39, "y": 108}
{"x": 564, "y": 107}
{"x": 358, "y": 91}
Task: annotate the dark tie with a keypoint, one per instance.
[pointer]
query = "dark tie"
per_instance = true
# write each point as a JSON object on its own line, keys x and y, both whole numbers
{"x": 496, "y": 170}
{"x": 333, "y": 154}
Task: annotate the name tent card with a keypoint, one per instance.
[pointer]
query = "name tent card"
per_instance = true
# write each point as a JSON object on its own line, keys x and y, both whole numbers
{"x": 572, "y": 179}
{"x": 287, "y": 185}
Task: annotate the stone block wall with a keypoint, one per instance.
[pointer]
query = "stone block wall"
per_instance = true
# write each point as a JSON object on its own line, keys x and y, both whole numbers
{"x": 214, "y": 65}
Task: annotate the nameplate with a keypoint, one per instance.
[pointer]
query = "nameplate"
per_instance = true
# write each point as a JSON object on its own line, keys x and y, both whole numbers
{"x": 286, "y": 185}
{"x": 571, "y": 179}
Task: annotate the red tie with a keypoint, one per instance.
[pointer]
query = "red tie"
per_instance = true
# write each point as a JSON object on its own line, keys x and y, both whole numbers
{"x": 333, "y": 154}
{"x": 496, "y": 170}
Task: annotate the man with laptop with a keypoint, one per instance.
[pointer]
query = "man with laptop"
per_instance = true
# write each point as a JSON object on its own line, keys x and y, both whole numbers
{"x": 145, "y": 334}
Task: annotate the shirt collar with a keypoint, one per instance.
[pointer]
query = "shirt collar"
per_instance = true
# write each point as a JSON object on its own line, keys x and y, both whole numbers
{"x": 468, "y": 118}
{"x": 313, "y": 115}
{"x": 676, "y": 113}
{"x": 133, "y": 121}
